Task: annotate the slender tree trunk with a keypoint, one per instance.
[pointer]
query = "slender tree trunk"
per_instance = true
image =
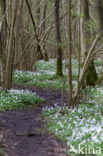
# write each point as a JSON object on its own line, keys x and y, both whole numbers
{"x": 59, "y": 70}
{"x": 43, "y": 30}
{"x": 18, "y": 35}
{"x": 38, "y": 12}
{"x": 39, "y": 49}
{"x": 70, "y": 56}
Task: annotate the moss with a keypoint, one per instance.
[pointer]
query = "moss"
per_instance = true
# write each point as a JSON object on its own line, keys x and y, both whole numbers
{"x": 91, "y": 76}
{"x": 59, "y": 70}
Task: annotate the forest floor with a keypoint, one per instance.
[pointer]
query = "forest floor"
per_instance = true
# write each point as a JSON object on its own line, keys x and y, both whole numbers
{"x": 23, "y": 132}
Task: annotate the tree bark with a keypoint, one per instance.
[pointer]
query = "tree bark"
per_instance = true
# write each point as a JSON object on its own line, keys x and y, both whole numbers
{"x": 2, "y": 39}
{"x": 59, "y": 71}
{"x": 69, "y": 63}
{"x": 43, "y": 28}
{"x": 98, "y": 13}
{"x": 10, "y": 51}
{"x": 91, "y": 76}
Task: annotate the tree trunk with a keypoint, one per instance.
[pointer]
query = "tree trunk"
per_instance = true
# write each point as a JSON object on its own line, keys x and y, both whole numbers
{"x": 59, "y": 70}
{"x": 91, "y": 76}
{"x": 2, "y": 39}
{"x": 69, "y": 57}
{"x": 10, "y": 51}
{"x": 43, "y": 30}
{"x": 98, "y": 9}
{"x": 39, "y": 49}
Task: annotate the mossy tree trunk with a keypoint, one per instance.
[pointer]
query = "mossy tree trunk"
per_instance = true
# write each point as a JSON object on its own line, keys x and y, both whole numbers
{"x": 59, "y": 70}
{"x": 91, "y": 76}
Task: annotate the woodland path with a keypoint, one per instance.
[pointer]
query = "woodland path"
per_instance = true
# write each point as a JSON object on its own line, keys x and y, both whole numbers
{"x": 23, "y": 133}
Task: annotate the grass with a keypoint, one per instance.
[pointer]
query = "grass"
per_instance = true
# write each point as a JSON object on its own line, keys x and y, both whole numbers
{"x": 82, "y": 126}
{"x": 18, "y": 99}
{"x": 44, "y": 77}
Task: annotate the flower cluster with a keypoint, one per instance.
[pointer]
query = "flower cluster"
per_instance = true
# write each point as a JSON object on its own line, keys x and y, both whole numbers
{"x": 83, "y": 125}
{"x": 14, "y": 99}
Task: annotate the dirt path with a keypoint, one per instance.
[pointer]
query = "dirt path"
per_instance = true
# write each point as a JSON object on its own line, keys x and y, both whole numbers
{"x": 23, "y": 133}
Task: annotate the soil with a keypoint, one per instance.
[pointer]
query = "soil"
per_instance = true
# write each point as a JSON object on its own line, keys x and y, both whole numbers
{"x": 23, "y": 132}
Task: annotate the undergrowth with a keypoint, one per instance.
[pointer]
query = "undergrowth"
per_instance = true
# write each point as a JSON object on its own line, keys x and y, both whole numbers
{"x": 44, "y": 77}
{"x": 18, "y": 99}
{"x": 80, "y": 126}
